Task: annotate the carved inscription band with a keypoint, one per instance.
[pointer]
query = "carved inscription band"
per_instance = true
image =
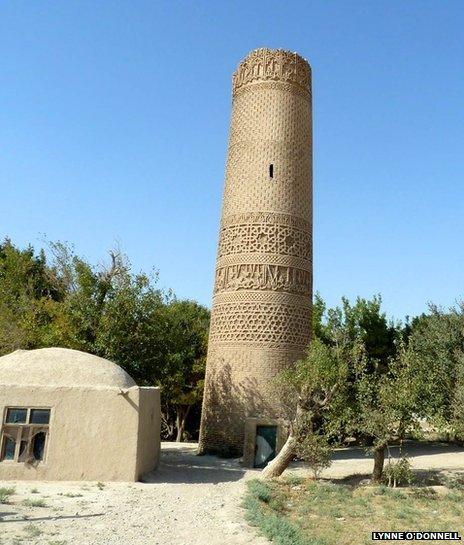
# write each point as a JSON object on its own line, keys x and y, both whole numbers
{"x": 275, "y": 259}
{"x": 260, "y": 276}
{"x": 273, "y": 66}
{"x": 267, "y": 217}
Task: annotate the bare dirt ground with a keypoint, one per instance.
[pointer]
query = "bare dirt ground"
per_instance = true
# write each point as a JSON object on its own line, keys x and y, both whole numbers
{"x": 189, "y": 500}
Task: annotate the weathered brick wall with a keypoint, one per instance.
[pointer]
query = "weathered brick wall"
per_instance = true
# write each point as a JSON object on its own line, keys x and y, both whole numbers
{"x": 261, "y": 312}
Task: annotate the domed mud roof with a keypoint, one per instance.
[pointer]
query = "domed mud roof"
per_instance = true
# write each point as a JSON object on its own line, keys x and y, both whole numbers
{"x": 61, "y": 367}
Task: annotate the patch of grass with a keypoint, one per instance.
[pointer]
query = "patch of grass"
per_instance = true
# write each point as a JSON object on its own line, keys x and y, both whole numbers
{"x": 39, "y": 502}
{"x": 406, "y": 512}
{"x": 454, "y": 497}
{"x": 34, "y": 490}
{"x": 322, "y": 513}
{"x": 57, "y": 542}
{"x": 72, "y": 495}
{"x": 456, "y": 482}
{"x": 425, "y": 493}
{"x": 383, "y": 490}
{"x": 273, "y": 526}
{"x": 5, "y": 493}
{"x": 260, "y": 490}
{"x": 100, "y": 485}
{"x": 294, "y": 480}
{"x": 32, "y": 530}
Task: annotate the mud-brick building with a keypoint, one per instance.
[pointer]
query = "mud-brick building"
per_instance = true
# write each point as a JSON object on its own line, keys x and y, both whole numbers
{"x": 69, "y": 415}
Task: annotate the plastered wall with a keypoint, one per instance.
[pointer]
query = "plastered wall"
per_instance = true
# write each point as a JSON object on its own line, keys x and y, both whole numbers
{"x": 94, "y": 434}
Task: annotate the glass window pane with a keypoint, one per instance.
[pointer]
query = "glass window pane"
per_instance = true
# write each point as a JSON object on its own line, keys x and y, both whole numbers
{"x": 40, "y": 416}
{"x": 38, "y": 445}
{"x": 8, "y": 450}
{"x": 22, "y": 450}
{"x": 16, "y": 416}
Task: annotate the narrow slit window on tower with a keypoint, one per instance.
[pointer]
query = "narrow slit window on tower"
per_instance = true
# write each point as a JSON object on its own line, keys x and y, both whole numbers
{"x": 271, "y": 171}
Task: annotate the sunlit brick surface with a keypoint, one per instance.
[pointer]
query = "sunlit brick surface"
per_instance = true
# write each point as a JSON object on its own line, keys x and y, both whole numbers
{"x": 261, "y": 311}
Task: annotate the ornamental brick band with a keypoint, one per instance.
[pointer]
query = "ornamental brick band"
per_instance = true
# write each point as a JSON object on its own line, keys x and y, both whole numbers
{"x": 260, "y": 322}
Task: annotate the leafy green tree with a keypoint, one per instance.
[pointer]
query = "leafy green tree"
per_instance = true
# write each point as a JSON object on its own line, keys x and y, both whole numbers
{"x": 183, "y": 375}
{"x": 158, "y": 339}
{"x": 108, "y": 311}
{"x": 366, "y": 322}
{"x": 313, "y": 392}
{"x": 132, "y": 328}
{"x": 437, "y": 342}
{"x": 385, "y": 409}
{"x": 376, "y": 403}
{"x": 362, "y": 324}
{"x": 29, "y": 291}
{"x": 457, "y": 415}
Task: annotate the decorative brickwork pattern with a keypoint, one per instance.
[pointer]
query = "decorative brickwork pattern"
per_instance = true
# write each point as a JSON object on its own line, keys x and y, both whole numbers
{"x": 267, "y": 239}
{"x": 273, "y": 324}
{"x": 260, "y": 321}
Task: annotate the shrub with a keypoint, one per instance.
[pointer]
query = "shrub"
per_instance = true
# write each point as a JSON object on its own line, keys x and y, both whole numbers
{"x": 34, "y": 503}
{"x": 315, "y": 450}
{"x": 33, "y": 530}
{"x": 398, "y": 473}
{"x": 5, "y": 494}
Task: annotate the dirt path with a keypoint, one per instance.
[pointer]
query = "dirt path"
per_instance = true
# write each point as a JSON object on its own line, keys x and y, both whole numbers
{"x": 189, "y": 500}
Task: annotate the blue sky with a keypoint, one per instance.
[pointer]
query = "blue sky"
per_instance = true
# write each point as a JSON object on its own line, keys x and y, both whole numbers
{"x": 114, "y": 119}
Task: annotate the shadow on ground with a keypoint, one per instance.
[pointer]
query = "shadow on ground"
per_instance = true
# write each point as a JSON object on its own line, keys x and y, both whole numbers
{"x": 182, "y": 465}
{"x": 52, "y": 517}
{"x": 409, "y": 448}
{"x": 6, "y": 514}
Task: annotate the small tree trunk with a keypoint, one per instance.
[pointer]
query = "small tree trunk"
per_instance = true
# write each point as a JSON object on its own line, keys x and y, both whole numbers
{"x": 276, "y": 467}
{"x": 379, "y": 459}
{"x": 181, "y": 418}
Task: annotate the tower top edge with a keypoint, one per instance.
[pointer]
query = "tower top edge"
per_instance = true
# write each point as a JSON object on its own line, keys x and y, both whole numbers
{"x": 265, "y": 64}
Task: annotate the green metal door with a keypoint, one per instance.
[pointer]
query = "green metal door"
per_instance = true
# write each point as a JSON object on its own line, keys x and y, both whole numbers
{"x": 265, "y": 445}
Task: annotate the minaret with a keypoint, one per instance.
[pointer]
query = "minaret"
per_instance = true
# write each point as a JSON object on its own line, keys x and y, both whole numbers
{"x": 261, "y": 313}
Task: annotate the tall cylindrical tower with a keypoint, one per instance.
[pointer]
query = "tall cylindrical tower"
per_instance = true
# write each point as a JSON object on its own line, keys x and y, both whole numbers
{"x": 261, "y": 311}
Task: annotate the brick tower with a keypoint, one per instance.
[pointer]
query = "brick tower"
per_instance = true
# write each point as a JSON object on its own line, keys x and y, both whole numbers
{"x": 261, "y": 311}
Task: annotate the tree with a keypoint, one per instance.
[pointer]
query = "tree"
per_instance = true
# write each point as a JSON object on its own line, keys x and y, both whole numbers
{"x": 183, "y": 375}
{"x": 437, "y": 342}
{"x": 156, "y": 338}
{"x": 362, "y": 321}
{"x": 385, "y": 408}
{"x": 312, "y": 391}
{"x": 359, "y": 340}
{"x": 29, "y": 291}
{"x": 108, "y": 311}
{"x": 457, "y": 415}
